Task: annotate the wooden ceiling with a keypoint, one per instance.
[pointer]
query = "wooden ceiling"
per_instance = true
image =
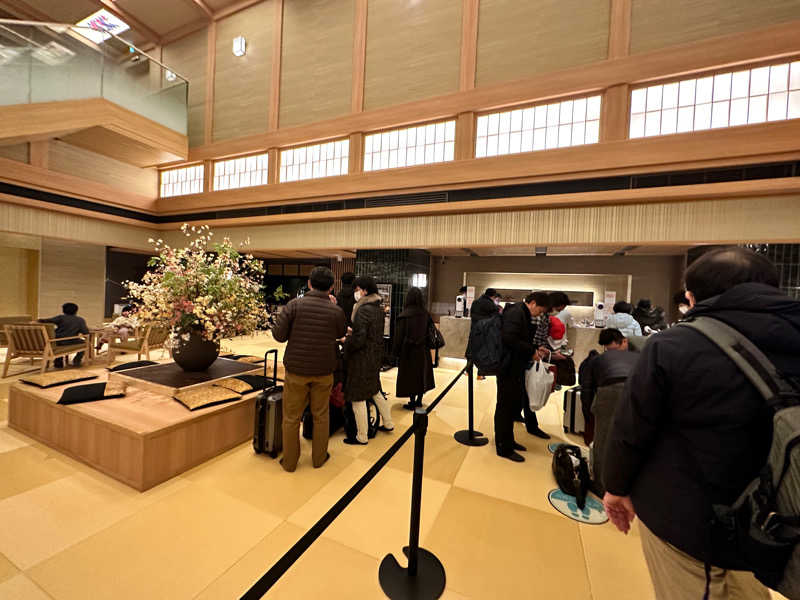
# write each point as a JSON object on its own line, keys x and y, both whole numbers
{"x": 152, "y": 22}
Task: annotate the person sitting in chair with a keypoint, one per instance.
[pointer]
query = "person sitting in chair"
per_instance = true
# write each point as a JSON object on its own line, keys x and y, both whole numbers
{"x": 123, "y": 327}
{"x": 68, "y": 325}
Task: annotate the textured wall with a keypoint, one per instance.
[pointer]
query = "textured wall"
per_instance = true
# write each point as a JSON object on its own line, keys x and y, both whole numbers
{"x": 15, "y": 265}
{"x": 658, "y": 24}
{"x": 413, "y": 50}
{"x": 188, "y": 57}
{"x": 72, "y": 272}
{"x": 521, "y": 39}
{"x": 242, "y": 84}
{"x": 317, "y": 60}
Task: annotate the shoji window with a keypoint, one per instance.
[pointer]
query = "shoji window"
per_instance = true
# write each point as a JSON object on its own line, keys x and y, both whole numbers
{"x": 770, "y": 93}
{"x": 410, "y": 146}
{"x": 318, "y": 160}
{"x": 245, "y": 171}
{"x": 182, "y": 181}
{"x": 539, "y": 127}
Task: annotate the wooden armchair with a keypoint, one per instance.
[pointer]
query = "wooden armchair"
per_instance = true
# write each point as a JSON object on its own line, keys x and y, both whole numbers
{"x": 35, "y": 341}
{"x": 151, "y": 337}
{"x": 13, "y": 320}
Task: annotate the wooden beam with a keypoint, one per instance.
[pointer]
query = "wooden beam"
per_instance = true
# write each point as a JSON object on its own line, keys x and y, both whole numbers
{"x": 39, "y": 154}
{"x": 135, "y": 23}
{"x": 469, "y": 43}
{"x": 465, "y": 136}
{"x": 619, "y": 29}
{"x": 355, "y": 162}
{"x": 204, "y": 7}
{"x": 780, "y": 41}
{"x": 615, "y": 113}
{"x": 234, "y": 8}
{"x": 273, "y": 166}
{"x": 24, "y": 10}
{"x": 211, "y": 68}
{"x": 359, "y": 56}
{"x": 208, "y": 176}
{"x": 275, "y": 82}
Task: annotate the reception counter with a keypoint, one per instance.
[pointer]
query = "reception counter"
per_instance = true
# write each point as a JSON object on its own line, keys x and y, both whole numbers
{"x": 455, "y": 331}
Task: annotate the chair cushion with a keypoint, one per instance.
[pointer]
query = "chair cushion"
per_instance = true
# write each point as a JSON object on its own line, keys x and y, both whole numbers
{"x": 132, "y": 365}
{"x": 207, "y": 395}
{"x": 47, "y": 380}
{"x": 129, "y": 345}
{"x": 69, "y": 349}
{"x": 92, "y": 391}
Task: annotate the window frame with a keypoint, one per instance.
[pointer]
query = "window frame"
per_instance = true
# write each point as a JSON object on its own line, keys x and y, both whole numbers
{"x": 406, "y": 126}
{"x": 215, "y": 162}
{"x": 307, "y": 145}
{"x": 202, "y": 179}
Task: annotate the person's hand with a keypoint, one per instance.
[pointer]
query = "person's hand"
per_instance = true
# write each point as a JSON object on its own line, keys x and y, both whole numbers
{"x": 557, "y": 356}
{"x": 349, "y": 331}
{"x": 332, "y": 298}
{"x": 341, "y": 340}
{"x": 620, "y": 511}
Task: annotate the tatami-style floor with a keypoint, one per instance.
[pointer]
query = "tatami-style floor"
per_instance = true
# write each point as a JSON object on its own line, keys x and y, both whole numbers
{"x": 69, "y": 532}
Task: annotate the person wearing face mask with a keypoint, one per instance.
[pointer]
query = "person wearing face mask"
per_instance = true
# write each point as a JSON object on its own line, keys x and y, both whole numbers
{"x": 363, "y": 352}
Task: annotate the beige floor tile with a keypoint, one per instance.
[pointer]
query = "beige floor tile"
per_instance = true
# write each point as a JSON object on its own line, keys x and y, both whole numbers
{"x": 29, "y": 467}
{"x": 47, "y": 519}
{"x": 172, "y": 549}
{"x": 443, "y": 457}
{"x": 3, "y": 410}
{"x": 7, "y": 568}
{"x": 11, "y": 440}
{"x": 501, "y": 550}
{"x": 615, "y": 564}
{"x": 451, "y": 595}
{"x": 20, "y": 587}
{"x": 261, "y": 482}
{"x": 376, "y": 522}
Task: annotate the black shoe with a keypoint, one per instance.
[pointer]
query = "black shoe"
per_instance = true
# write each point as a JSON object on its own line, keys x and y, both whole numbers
{"x": 385, "y": 429}
{"x": 353, "y": 442}
{"x": 58, "y": 363}
{"x": 519, "y": 447}
{"x": 539, "y": 433}
{"x": 76, "y": 364}
{"x": 412, "y": 405}
{"x": 513, "y": 456}
{"x": 519, "y": 419}
{"x": 327, "y": 456}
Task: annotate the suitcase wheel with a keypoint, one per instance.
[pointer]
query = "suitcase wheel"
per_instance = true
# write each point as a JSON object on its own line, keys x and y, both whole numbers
{"x": 566, "y": 430}
{"x": 256, "y": 449}
{"x": 274, "y": 454}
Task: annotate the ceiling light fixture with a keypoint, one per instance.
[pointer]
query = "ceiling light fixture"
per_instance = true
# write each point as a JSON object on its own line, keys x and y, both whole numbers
{"x": 239, "y": 46}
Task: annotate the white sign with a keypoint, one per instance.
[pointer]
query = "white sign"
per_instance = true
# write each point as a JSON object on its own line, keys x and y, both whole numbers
{"x": 470, "y": 296}
{"x": 100, "y": 25}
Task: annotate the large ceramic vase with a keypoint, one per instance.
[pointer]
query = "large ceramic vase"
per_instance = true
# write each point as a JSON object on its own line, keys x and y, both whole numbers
{"x": 195, "y": 354}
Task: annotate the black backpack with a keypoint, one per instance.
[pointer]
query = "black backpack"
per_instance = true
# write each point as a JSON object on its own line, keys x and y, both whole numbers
{"x": 761, "y": 530}
{"x": 486, "y": 345}
{"x": 572, "y": 472}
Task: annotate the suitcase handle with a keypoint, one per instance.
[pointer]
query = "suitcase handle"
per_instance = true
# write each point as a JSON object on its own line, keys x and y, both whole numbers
{"x": 274, "y": 367}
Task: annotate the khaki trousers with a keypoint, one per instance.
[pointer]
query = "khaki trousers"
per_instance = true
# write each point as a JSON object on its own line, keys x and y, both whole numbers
{"x": 298, "y": 392}
{"x": 678, "y": 576}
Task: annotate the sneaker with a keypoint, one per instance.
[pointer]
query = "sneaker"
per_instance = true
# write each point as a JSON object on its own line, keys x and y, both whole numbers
{"x": 353, "y": 442}
{"x": 513, "y": 456}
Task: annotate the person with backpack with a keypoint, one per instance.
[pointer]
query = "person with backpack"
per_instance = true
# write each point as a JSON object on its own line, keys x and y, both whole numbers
{"x": 483, "y": 308}
{"x": 518, "y": 331}
{"x": 346, "y": 297}
{"x": 414, "y": 364}
{"x": 692, "y": 432}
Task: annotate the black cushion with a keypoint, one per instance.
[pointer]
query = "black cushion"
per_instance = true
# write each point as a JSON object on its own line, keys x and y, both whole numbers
{"x": 89, "y": 392}
{"x": 256, "y": 382}
{"x": 132, "y": 365}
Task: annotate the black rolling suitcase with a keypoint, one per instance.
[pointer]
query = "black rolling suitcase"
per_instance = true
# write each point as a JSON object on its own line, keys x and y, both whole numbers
{"x": 267, "y": 431}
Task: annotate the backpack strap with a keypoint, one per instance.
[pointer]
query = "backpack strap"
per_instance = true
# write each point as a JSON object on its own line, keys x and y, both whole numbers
{"x": 758, "y": 369}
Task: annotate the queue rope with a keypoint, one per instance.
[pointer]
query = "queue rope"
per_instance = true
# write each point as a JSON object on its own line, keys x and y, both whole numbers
{"x": 271, "y": 577}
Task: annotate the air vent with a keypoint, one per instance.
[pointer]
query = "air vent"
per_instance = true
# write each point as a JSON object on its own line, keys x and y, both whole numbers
{"x": 406, "y": 200}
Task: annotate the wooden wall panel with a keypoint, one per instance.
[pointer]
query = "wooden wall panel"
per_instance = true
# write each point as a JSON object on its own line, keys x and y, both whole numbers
{"x": 14, "y": 263}
{"x": 316, "y": 67}
{"x": 18, "y": 152}
{"x": 72, "y": 272}
{"x": 66, "y": 158}
{"x": 521, "y": 39}
{"x": 658, "y": 24}
{"x": 242, "y": 83}
{"x": 188, "y": 57}
{"x": 413, "y": 50}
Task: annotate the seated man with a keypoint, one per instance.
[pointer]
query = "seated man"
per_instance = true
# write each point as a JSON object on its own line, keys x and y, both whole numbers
{"x": 68, "y": 325}
{"x": 605, "y": 382}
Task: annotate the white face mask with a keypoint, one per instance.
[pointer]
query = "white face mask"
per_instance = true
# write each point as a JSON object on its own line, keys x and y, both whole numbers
{"x": 683, "y": 309}
{"x": 497, "y": 301}
{"x": 358, "y": 295}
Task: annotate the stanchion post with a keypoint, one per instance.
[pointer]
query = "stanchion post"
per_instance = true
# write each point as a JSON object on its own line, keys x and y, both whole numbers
{"x": 424, "y": 579}
{"x": 470, "y": 437}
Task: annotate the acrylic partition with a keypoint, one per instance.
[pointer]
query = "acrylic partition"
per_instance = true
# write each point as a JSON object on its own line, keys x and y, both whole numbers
{"x": 54, "y": 62}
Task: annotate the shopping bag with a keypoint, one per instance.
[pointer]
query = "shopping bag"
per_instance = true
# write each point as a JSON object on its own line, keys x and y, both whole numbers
{"x": 539, "y": 384}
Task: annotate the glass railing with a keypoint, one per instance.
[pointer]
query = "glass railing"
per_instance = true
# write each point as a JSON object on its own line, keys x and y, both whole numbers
{"x": 48, "y": 62}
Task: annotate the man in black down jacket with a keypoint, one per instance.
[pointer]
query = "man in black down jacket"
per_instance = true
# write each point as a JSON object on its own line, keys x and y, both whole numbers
{"x": 518, "y": 332}
{"x": 482, "y": 308}
{"x": 345, "y": 298}
{"x": 312, "y": 325}
{"x": 691, "y": 430}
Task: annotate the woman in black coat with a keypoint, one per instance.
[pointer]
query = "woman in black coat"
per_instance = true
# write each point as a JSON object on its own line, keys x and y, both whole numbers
{"x": 363, "y": 353}
{"x": 415, "y": 367}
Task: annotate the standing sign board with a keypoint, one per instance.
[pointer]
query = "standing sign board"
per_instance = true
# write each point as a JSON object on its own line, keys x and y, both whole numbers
{"x": 385, "y": 290}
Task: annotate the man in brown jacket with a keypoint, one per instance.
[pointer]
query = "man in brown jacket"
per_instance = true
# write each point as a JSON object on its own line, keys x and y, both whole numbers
{"x": 312, "y": 325}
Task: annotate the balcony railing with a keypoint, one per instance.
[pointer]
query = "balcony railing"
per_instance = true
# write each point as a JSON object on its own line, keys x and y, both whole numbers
{"x": 50, "y": 62}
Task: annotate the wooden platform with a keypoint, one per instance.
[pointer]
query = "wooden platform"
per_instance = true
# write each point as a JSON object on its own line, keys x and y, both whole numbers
{"x": 142, "y": 439}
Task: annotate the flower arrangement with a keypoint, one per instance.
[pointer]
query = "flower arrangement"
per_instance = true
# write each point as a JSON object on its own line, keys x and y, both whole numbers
{"x": 206, "y": 288}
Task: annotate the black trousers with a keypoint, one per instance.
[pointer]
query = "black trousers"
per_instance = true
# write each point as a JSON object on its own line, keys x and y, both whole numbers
{"x": 511, "y": 397}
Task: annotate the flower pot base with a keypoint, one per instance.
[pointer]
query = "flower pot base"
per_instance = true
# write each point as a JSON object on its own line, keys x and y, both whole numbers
{"x": 195, "y": 354}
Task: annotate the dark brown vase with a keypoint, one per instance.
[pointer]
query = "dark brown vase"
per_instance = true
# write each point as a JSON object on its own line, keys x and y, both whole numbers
{"x": 195, "y": 354}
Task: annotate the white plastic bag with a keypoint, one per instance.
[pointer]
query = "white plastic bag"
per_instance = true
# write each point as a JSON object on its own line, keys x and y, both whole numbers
{"x": 538, "y": 384}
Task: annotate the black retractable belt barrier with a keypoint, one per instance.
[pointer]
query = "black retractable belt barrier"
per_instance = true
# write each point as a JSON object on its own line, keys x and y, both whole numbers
{"x": 425, "y": 578}
{"x": 470, "y": 437}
